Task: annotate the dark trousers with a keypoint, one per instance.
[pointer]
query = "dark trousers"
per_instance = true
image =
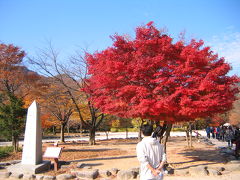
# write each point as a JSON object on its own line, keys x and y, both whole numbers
{"x": 237, "y": 150}
{"x": 213, "y": 135}
{"x": 229, "y": 143}
{"x": 208, "y": 135}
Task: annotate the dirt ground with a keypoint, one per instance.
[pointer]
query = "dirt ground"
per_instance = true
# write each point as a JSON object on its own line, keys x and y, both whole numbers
{"x": 121, "y": 154}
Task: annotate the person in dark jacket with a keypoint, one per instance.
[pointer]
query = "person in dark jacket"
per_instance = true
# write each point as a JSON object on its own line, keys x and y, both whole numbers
{"x": 237, "y": 142}
{"x": 208, "y": 131}
{"x": 229, "y": 136}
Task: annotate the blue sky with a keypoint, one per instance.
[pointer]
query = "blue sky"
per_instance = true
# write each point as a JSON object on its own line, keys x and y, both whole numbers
{"x": 74, "y": 24}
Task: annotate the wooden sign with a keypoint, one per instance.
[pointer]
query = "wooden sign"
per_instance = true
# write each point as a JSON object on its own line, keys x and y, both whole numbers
{"x": 52, "y": 152}
{"x": 55, "y": 144}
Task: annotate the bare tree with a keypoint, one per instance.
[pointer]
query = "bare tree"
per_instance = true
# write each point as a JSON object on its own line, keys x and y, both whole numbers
{"x": 56, "y": 101}
{"x": 72, "y": 76}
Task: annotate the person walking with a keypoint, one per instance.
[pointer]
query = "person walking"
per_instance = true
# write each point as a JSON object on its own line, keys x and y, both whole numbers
{"x": 218, "y": 133}
{"x": 229, "y": 136}
{"x": 208, "y": 131}
{"x": 221, "y": 133}
{"x": 212, "y": 131}
{"x": 224, "y": 128}
{"x": 237, "y": 142}
{"x": 151, "y": 156}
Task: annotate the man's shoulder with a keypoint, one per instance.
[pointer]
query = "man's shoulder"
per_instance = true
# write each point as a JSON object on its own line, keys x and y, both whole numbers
{"x": 140, "y": 143}
{"x": 143, "y": 142}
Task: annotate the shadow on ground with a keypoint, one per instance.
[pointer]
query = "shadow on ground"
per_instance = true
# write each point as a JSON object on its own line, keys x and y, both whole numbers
{"x": 199, "y": 157}
{"x": 105, "y": 158}
{"x": 204, "y": 155}
{"x": 87, "y": 150}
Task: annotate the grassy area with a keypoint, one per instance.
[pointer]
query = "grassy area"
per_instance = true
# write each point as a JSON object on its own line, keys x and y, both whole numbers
{"x": 178, "y": 130}
{"x": 136, "y": 130}
{"x": 5, "y": 151}
{"x": 123, "y": 130}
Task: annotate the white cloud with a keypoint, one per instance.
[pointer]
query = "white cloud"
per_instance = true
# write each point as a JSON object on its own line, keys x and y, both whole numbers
{"x": 227, "y": 45}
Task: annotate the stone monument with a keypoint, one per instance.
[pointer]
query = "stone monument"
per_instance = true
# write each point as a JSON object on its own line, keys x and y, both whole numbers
{"x": 32, "y": 147}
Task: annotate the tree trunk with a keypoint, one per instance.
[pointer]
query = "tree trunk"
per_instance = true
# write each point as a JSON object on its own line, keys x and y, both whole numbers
{"x": 62, "y": 138}
{"x": 15, "y": 143}
{"x": 106, "y": 132}
{"x": 195, "y": 125}
{"x": 139, "y": 134}
{"x": 126, "y": 133}
{"x": 92, "y": 132}
{"x": 68, "y": 128}
{"x": 167, "y": 134}
{"x": 92, "y": 135}
{"x": 162, "y": 131}
{"x": 54, "y": 130}
{"x": 190, "y": 130}
{"x": 187, "y": 137}
{"x": 140, "y": 131}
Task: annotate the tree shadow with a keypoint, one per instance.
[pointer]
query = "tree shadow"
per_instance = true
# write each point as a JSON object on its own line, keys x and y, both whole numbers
{"x": 92, "y": 164}
{"x": 176, "y": 139}
{"x": 74, "y": 143}
{"x": 195, "y": 165}
{"x": 175, "y": 163}
{"x": 68, "y": 143}
{"x": 207, "y": 157}
{"x": 204, "y": 155}
{"x": 87, "y": 150}
{"x": 105, "y": 158}
{"x": 84, "y": 165}
{"x": 123, "y": 143}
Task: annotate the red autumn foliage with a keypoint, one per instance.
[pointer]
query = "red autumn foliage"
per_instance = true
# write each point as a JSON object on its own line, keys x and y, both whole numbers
{"x": 218, "y": 120}
{"x": 153, "y": 77}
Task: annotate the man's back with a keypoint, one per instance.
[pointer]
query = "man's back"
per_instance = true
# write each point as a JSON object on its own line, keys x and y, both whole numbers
{"x": 149, "y": 151}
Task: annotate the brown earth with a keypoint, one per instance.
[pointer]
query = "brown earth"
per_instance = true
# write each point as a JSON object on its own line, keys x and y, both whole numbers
{"x": 121, "y": 154}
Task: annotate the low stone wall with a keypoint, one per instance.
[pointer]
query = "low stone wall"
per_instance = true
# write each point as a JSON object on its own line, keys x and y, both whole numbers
{"x": 84, "y": 171}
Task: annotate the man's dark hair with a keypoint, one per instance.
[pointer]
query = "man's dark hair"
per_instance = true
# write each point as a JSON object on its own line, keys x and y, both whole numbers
{"x": 147, "y": 130}
{"x": 158, "y": 132}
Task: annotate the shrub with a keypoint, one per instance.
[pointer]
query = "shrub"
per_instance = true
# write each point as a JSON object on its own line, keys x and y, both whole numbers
{"x": 5, "y": 151}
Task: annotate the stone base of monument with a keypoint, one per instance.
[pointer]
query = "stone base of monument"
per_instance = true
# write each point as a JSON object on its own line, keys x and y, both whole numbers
{"x": 30, "y": 169}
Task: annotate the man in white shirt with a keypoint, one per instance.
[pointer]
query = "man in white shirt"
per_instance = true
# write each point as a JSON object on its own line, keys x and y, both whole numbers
{"x": 151, "y": 156}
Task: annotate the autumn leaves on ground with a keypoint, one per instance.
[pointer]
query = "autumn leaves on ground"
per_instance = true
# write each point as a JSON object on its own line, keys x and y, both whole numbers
{"x": 120, "y": 153}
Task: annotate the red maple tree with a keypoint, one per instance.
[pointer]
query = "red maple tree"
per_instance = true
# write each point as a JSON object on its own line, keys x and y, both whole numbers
{"x": 153, "y": 77}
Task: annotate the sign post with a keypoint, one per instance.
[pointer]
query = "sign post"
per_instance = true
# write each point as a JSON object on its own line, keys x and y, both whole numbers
{"x": 53, "y": 153}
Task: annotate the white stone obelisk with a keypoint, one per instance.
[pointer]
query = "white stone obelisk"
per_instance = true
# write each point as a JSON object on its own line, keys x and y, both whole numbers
{"x": 32, "y": 148}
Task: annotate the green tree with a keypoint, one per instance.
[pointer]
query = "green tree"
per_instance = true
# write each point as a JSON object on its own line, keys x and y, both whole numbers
{"x": 12, "y": 115}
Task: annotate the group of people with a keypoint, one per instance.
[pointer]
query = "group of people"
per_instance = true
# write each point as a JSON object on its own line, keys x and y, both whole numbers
{"x": 229, "y": 134}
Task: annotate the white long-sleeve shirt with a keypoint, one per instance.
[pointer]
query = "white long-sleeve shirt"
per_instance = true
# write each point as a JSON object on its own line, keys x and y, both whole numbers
{"x": 149, "y": 151}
